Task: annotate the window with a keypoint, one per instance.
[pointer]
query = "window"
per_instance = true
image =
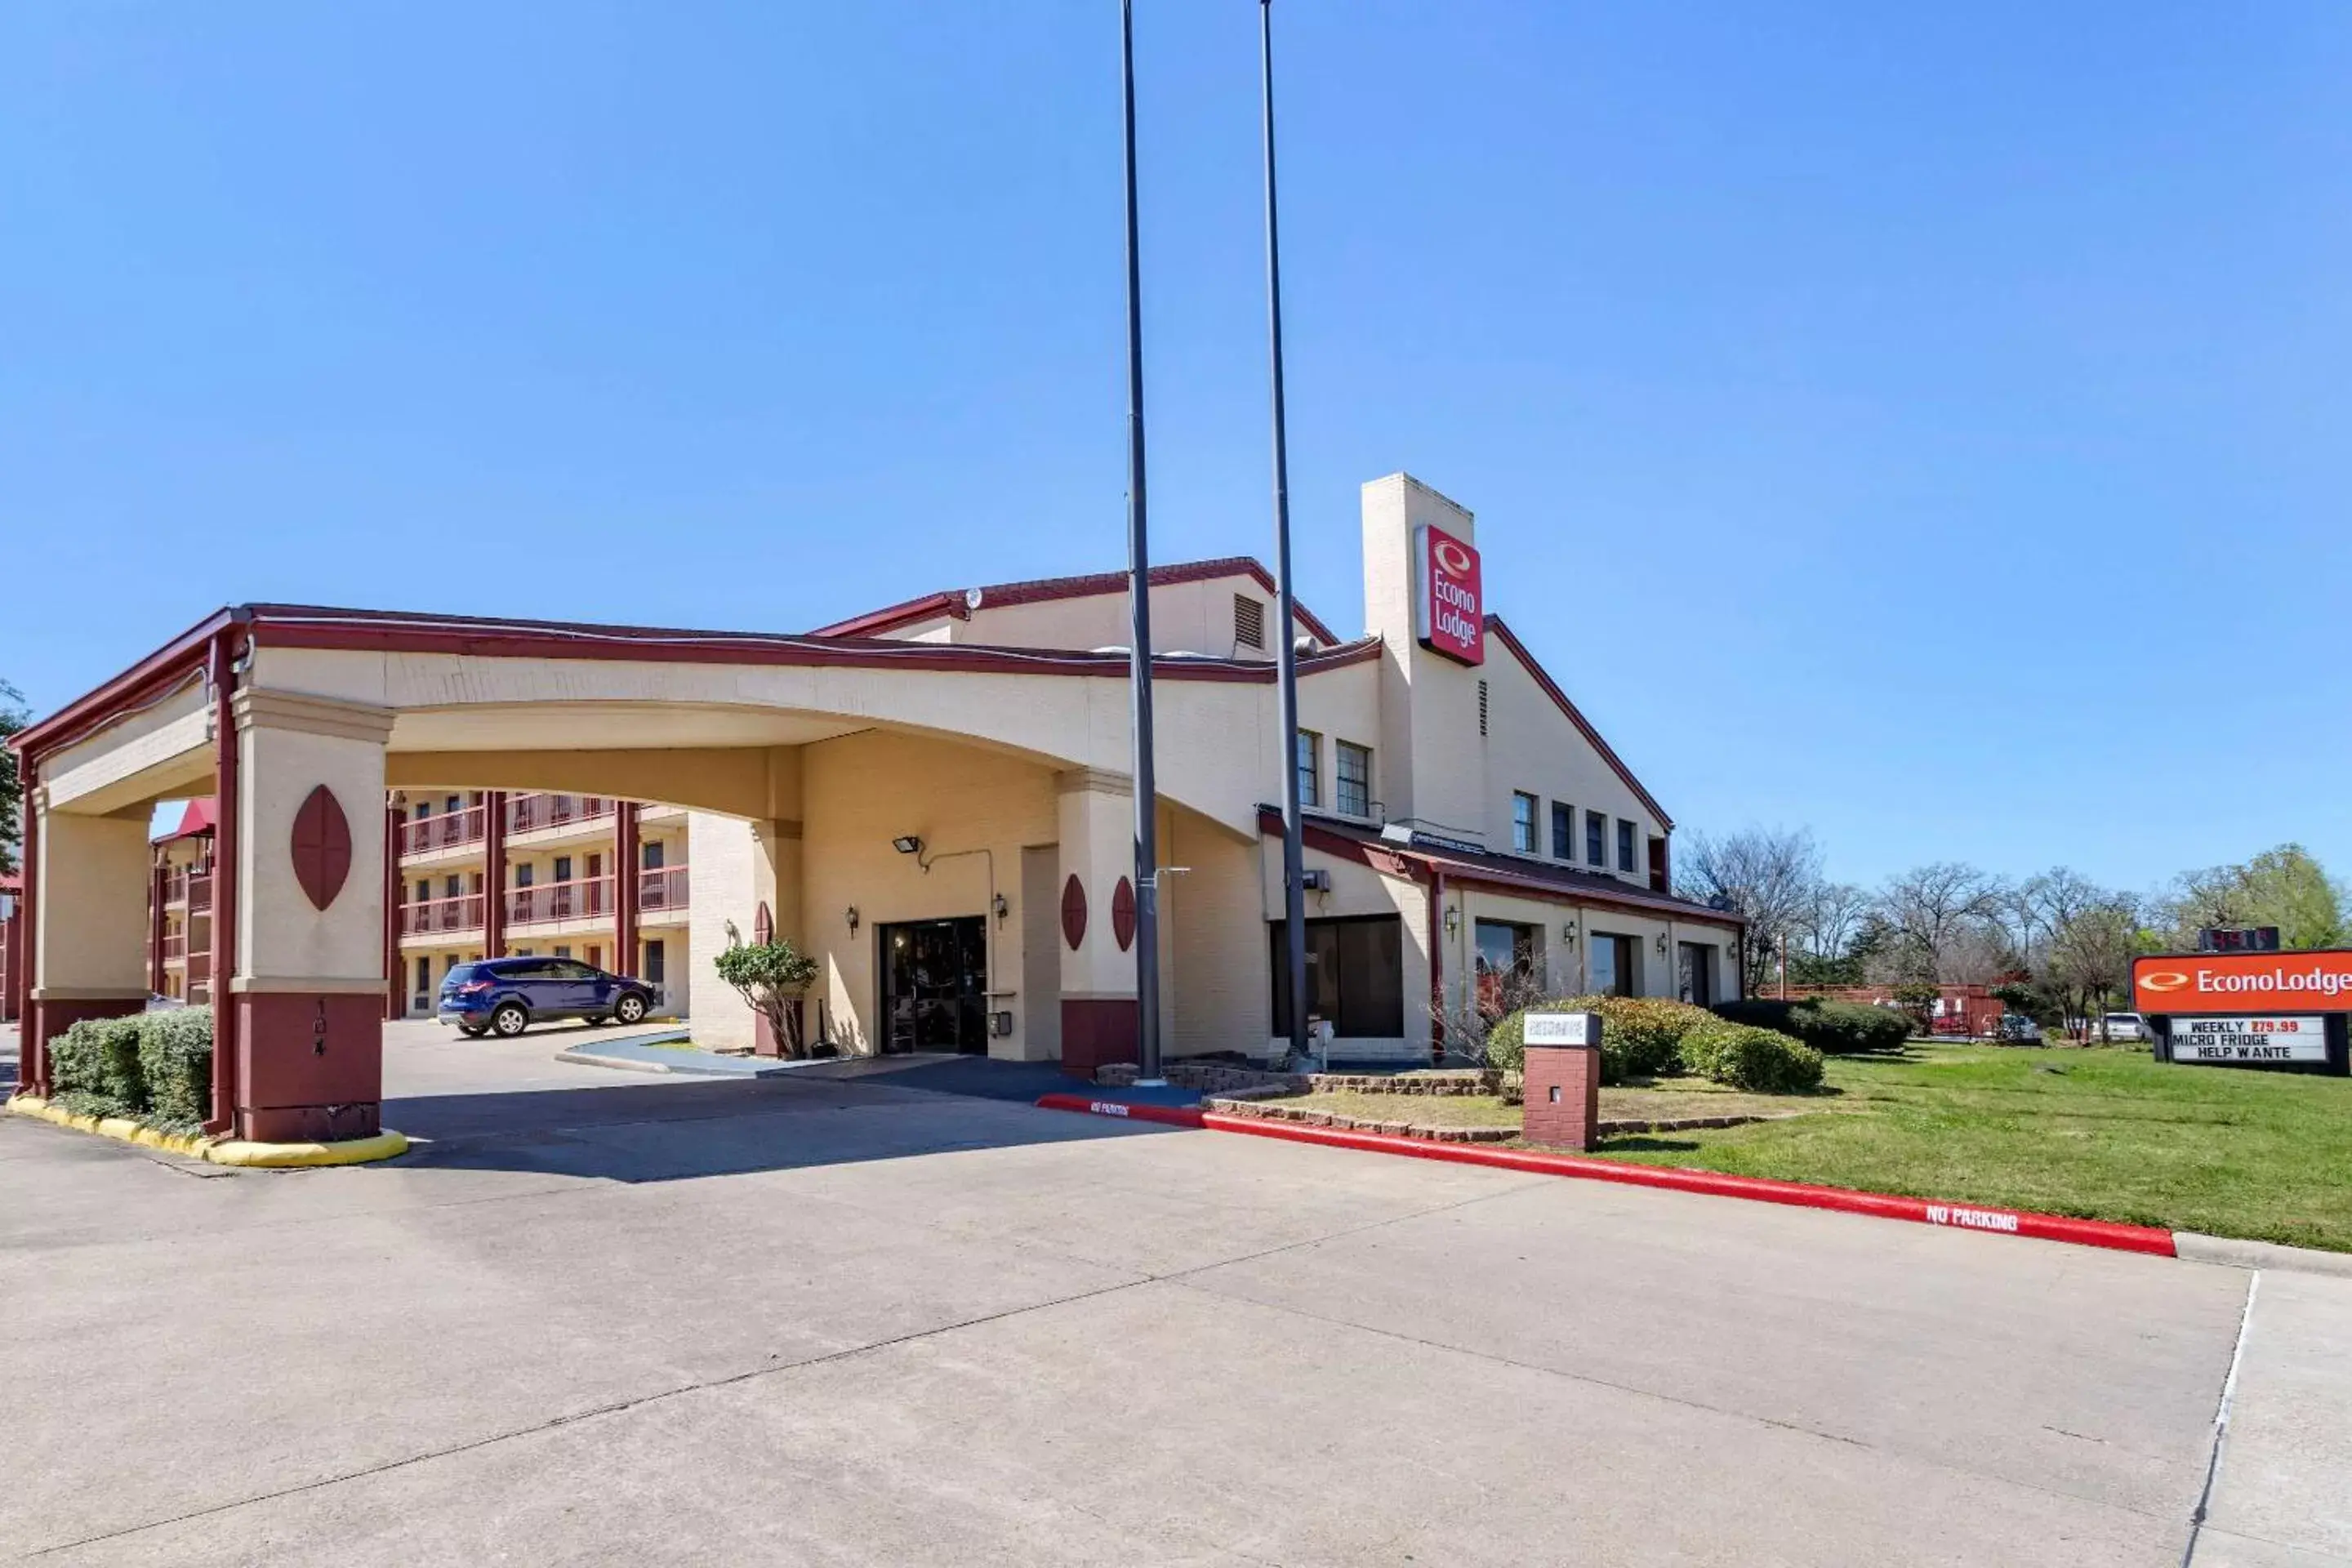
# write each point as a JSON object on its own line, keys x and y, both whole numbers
{"x": 423, "y": 809}
{"x": 423, "y": 975}
{"x": 1353, "y": 774}
{"x": 1249, "y": 622}
{"x": 654, "y": 957}
{"x": 1596, "y": 840}
{"x": 563, "y": 950}
{"x": 1563, "y": 831}
{"x": 451, "y": 887}
{"x": 1355, "y": 975}
{"x": 523, "y": 874}
{"x": 1610, "y": 963}
{"x": 563, "y": 868}
{"x": 1626, "y": 859}
{"x": 1310, "y": 790}
{"x": 649, "y": 856}
{"x": 424, "y": 892}
{"x": 1506, "y": 965}
{"x": 1523, "y": 822}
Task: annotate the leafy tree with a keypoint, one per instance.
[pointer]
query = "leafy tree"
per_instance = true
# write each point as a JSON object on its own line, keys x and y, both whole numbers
{"x": 771, "y": 976}
{"x": 2285, "y": 887}
{"x": 2089, "y": 962}
{"x": 12, "y": 789}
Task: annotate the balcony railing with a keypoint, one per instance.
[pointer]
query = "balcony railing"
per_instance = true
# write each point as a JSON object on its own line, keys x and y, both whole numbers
{"x": 189, "y": 887}
{"x": 663, "y": 888}
{"x": 434, "y": 916}
{"x": 175, "y": 946}
{"x": 526, "y": 813}
{"x": 444, "y": 830}
{"x": 586, "y": 898}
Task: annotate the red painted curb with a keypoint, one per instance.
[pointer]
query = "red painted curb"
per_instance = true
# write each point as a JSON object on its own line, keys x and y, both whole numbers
{"x": 1883, "y": 1206}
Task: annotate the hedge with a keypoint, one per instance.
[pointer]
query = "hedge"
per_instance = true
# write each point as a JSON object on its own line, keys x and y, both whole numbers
{"x": 1745, "y": 1057}
{"x": 1641, "y": 1036}
{"x": 156, "y": 1066}
{"x": 1833, "y": 1028}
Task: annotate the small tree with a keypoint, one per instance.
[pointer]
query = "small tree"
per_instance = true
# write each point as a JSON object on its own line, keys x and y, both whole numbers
{"x": 772, "y": 976}
{"x": 12, "y": 837}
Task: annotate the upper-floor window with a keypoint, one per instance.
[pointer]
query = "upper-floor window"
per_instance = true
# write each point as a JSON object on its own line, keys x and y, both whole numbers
{"x": 1352, "y": 774}
{"x": 1563, "y": 831}
{"x": 1626, "y": 859}
{"x": 650, "y": 855}
{"x": 1249, "y": 621}
{"x": 1523, "y": 822}
{"x": 1596, "y": 838}
{"x": 1311, "y": 785}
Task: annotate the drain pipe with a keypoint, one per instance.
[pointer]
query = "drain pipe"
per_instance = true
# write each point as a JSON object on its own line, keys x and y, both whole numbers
{"x": 226, "y": 662}
{"x": 1436, "y": 968}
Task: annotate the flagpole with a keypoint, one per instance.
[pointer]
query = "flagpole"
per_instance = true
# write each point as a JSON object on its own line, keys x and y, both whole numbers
{"x": 1138, "y": 598}
{"x": 1294, "y": 892}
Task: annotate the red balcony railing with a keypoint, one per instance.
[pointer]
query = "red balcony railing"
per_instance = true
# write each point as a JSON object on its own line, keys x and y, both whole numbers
{"x": 661, "y": 889}
{"x": 175, "y": 946}
{"x": 189, "y": 886}
{"x": 586, "y": 898}
{"x": 444, "y": 830}
{"x": 434, "y": 916}
{"x": 527, "y": 812}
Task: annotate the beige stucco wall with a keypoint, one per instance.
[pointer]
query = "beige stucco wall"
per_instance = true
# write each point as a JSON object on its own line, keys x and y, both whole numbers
{"x": 90, "y": 939}
{"x": 1186, "y": 618}
{"x": 282, "y": 939}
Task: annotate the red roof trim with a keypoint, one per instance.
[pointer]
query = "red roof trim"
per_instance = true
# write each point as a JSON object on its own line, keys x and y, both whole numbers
{"x": 1509, "y": 639}
{"x": 1041, "y": 590}
{"x": 155, "y": 676}
{"x": 1404, "y": 860}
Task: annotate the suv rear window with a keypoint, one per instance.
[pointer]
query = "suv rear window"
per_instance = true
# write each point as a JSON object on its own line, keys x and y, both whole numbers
{"x": 460, "y": 975}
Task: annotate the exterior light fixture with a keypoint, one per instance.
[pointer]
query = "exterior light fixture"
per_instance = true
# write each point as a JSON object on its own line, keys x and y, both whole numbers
{"x": 1662, "y": 944}
{"x": 1567, "y": 934}
{"x": 1452, "y": 920}
{"x": 850, "y": 915}
{"x": 906, "y": 843}
{"x": 998, "y": 905}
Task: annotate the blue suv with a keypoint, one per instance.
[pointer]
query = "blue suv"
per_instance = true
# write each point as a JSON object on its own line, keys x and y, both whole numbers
{"x": 504, "y": 997}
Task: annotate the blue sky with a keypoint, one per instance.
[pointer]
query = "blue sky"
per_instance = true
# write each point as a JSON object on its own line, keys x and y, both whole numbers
{"x": 1924, "y": 424}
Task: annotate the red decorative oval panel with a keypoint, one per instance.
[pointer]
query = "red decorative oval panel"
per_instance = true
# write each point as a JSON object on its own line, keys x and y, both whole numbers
{"x": 763, "y": 927}
{"x": 323, "y": 846}
{"x": 1122, "y": 914}
{"x": 1074, "y": 912}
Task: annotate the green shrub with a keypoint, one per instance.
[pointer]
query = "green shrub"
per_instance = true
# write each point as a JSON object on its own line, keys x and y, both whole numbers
{"x": 1640, "y": 1036}
{"x": 96, "y": 1061}
{"x": 175, "y": 1059}
{"x": 1833, "y": 1028}
{"x": 1742, "y": 1056}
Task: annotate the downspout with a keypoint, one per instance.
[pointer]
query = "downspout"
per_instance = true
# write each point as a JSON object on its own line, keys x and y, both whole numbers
{"x": 224, "y": 663}
{"x": 394, "y": 982}
{"x": 155, "y": 876}
{"x": 1436, "y": 967}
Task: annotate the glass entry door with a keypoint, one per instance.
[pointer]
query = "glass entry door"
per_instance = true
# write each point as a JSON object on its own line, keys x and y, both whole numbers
{"x": 935, "y": 984}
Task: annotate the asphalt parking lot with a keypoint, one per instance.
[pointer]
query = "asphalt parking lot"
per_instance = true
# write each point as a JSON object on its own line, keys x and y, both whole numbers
{"x": 616, "y": 1317}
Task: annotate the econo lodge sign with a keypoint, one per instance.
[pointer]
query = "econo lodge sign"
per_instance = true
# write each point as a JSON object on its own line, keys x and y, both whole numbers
{"x": 1449, "y": 609}
{"x": 2266, "y": 983}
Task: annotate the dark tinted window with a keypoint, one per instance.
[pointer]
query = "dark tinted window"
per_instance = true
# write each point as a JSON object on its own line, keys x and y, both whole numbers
{"x": 462, "y": 974}
{"x": 570, "y": 969}
{"x": 1355, "y": 975}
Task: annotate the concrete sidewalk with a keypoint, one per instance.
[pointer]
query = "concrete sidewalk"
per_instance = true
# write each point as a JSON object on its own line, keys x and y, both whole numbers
{"x": 646, "y": 1319}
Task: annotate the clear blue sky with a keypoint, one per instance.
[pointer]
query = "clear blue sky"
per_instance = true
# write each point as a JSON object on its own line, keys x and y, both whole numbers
{"x": 1928, "y": 424}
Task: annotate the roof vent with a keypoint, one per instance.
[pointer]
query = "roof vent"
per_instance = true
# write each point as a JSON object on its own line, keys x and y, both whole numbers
{"x": 1249, "y": 622}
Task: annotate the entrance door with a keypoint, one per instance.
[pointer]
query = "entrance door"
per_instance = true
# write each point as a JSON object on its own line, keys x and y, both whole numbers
{"x": 935, "y": 984}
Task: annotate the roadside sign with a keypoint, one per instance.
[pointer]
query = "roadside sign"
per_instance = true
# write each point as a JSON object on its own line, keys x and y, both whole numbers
{"x": 2203, "y": 983}
{"x": 1561, "y": 1029}
{"x": 2249, "y": 1039}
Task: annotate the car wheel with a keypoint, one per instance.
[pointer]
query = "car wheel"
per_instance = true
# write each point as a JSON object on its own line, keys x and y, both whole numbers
{"x": 630, "y": 1009}
{"x": 509, "y": 1020}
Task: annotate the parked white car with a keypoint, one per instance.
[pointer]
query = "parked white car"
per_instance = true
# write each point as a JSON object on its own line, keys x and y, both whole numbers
{"x": 2123, "y": 1026}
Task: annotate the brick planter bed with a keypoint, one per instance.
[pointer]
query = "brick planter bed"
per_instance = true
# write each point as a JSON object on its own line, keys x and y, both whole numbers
{"x": 1273, "y": 1110}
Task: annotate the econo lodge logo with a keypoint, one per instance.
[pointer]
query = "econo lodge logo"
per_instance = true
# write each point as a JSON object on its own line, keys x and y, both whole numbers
{"x": 2163, "y": 980}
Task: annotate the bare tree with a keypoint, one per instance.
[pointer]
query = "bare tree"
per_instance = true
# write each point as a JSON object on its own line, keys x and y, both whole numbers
{"x": 1834, "y": 917}
{"x": 2090, "y": 958}
{"x": 1930, "y": 909}
{"x": 1767, "y": 876}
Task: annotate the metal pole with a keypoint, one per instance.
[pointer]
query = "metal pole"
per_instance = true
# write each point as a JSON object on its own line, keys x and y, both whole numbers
{"x": 1294, "y": 892}
{"x": 1139, "y": 602}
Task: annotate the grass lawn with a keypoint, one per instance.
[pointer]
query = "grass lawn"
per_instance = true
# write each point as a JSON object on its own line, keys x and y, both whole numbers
{"x": 2100, "y": 1133}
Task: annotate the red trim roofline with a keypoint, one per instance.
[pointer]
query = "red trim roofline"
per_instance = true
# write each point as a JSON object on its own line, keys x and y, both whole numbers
{"x": 1041, "y": 590}
{"x": 1509, "y": 639}
{"x": 393, "y": 631}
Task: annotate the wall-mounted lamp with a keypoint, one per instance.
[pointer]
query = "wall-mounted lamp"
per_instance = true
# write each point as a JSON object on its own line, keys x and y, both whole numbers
{"x": 1452, "y": 921}
{"x": 1662, "y": 944}
{"x": 850, "y": 914}
{"x": 906, "y": 843}
{"x": 999, "y": 904}
{"x": 1567, "y": 934}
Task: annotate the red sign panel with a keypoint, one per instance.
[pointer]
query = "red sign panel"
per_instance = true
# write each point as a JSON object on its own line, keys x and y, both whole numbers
{"x": 1449, "y": 606}
{"x": 2199, "y": 983}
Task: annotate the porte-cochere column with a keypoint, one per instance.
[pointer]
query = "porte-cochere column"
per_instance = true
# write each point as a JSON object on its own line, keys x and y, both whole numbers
{"x": 1095, "y": 918}
{"x": 309, "y": 986}
{"x": 88, "y": 924}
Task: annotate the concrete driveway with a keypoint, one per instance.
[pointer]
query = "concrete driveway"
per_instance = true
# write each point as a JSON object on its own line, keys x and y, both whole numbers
{"x": 607, "y": 1318}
